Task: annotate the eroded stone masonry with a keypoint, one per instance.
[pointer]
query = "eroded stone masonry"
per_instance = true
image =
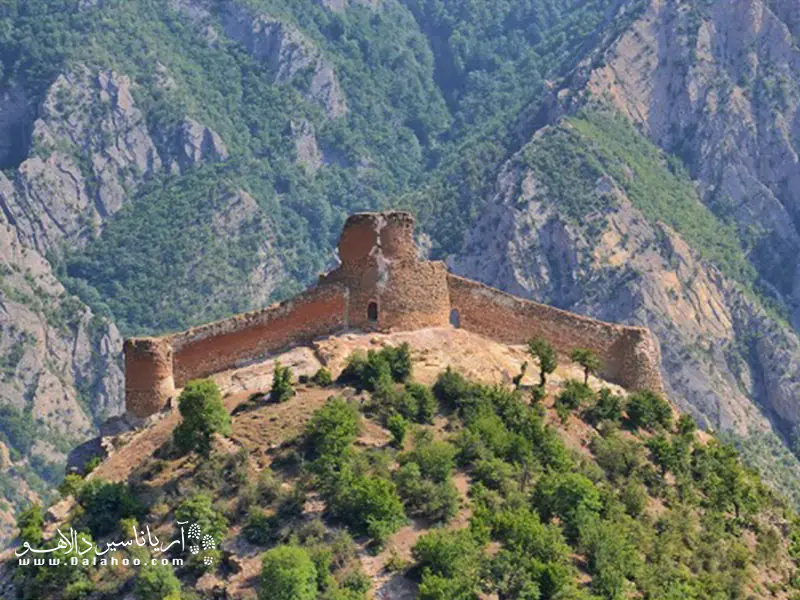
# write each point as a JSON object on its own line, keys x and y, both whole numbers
{"x": 380, "y": 285}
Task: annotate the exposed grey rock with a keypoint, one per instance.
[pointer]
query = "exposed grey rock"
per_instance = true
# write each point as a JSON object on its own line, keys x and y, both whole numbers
{"x": 199, "y": 143}
{"x": 15, "y": 123}
{"x": 720, "y": 84}
{"x": 305, "y": 141}
{"x": 288, "y": 52}
{"x": 616, "y": 266}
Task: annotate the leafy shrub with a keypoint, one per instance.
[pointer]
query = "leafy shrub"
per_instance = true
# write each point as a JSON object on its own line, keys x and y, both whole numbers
{"x": 397, "y": 426}
{"x": 258, "y": 528}
{"x": 287, "y": 573}
{"x": 449, "y": 562}
{"x": 369, "y": 505}
{"x": 451, "y": 388}
{"x": 282, "y": 384}
{"x": 323, "y": 377}
{"x": 607, "y": 407}
{"x": 156, "y": 582}
{"x": 436, "y": 460}
{"x": 105, "y": 504}
{"x": 203, "y": 413}
{"x": 332, "y": 429}
{"x": 574, "y": 395}
{"x": 426, "y": 498}
{"x": 426, "y": 404}
{"x": 71, "y": 486}
{"x": 566, "y": 496}
{"x": 647, "y": 410}
{"x": 387, "y": 363}
{"x": 30, "y": 522}
{"x": 200, "y": 509}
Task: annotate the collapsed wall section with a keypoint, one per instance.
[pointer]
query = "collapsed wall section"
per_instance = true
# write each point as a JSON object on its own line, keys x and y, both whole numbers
{"x": 630, "y": 355}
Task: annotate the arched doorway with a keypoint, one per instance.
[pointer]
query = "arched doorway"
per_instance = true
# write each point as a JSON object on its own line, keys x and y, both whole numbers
{"x": 372, "y": 312}
{"x": 455, "y": 318}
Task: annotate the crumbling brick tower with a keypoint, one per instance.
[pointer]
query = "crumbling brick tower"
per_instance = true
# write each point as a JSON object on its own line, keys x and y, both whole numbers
{"x": 389, "y": 287}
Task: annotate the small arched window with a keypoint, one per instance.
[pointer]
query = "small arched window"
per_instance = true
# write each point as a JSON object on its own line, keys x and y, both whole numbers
{"x": 372, "y": 312}
{"x": 455, "y": 318}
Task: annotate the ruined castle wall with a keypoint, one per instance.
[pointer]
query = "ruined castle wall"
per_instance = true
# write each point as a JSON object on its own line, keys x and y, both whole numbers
{"x": 149, "y": 381}
{"x": 630, "y": 355}
{"x": 226, "y": 344}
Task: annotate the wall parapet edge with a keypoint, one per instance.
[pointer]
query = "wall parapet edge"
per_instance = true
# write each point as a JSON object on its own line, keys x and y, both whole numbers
{"x": 631, "y": 355}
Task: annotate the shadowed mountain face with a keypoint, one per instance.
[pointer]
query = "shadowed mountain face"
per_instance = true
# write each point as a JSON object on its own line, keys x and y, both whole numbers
{"x": 171, "y": 162}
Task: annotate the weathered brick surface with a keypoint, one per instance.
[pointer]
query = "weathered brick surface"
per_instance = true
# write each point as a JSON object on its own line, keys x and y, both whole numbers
{"x": 233, "y": 342}
{"x": 148, "y": 375}
{"x": 379, "y": 266}
{"x": 630, "y": 355}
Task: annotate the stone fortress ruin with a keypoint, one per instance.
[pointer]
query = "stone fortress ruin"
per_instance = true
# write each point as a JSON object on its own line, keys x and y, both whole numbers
{"x": 380, "y": 285}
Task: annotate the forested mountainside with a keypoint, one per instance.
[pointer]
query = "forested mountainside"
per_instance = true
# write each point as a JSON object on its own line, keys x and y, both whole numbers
{"x": 168, "y": 162}
{"x": 456, "y": 468}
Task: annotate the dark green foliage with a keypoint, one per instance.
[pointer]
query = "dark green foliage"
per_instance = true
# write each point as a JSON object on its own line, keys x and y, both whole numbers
{"x": 323, "y": 377}
{"x": 288, "y": 573}
{"x": 389, "y": 364}
{"x": 332, "y": 429}
{"x": 588, "y": 360}
{"x": 105, "y": 504}
{"x": 426, "y": 403}
{"x": 607, "y": 407}
{"x": 574, "y": 395}
{"x": 620, "y": 457}
{"x": 368, "y": 505}
{"x": 436, "y": 460}
{"x": 544, "y": 353}
{"x": 397, "y": 426}
{"x": 450, "y": 563}
{"x": 156, "y": 582}
{"x": 567, "y": 496}
{"x": 612, "y": 556}
{"x": 437, "y": 501}
{"x": 199, "y": 509}
{"x": 686, "y": 425}
{"x": 282, "y": 384}
{"x": 259, "y": 529}
{"x": 30, "y": 522}
{"x": 647, "y": 410}
{"x": 203, "y": 413}
{"x": 451, "y": 387}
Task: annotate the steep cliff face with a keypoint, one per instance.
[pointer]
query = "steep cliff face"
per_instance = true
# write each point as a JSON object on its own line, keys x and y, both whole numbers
{"x": 718, "y": 84}
{"x": 725, "y": 359}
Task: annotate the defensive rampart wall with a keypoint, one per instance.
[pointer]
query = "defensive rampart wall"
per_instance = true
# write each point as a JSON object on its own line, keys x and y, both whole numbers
{"x": 379, "y": 285}
{"x": 630, "y": 355}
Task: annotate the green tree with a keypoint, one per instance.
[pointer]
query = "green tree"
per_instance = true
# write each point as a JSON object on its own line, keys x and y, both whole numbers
{"x": 106, "y": 503}
{"x": 199, "y": 509}
{"x": 282, "y": 384}
{"x": 649, "y": 410}
{"x": 545, "y": 354}
{"x": 30, "y": 522}
{"x": 288, "y": 573}
{"x": 588, "y": 360}
{"x": 332, "y": 429}
{"x": 566, "y": 496}
{"x": 156, "y": 582}
{"x": 397, "y": 426}
{"x": 323, "y": 377}
{"x": 203, "y": 413}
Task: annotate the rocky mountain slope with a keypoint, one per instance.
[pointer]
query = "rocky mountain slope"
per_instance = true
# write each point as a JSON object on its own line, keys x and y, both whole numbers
{"x": 494, "y": 494}
{"x": 169, "y": 162}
